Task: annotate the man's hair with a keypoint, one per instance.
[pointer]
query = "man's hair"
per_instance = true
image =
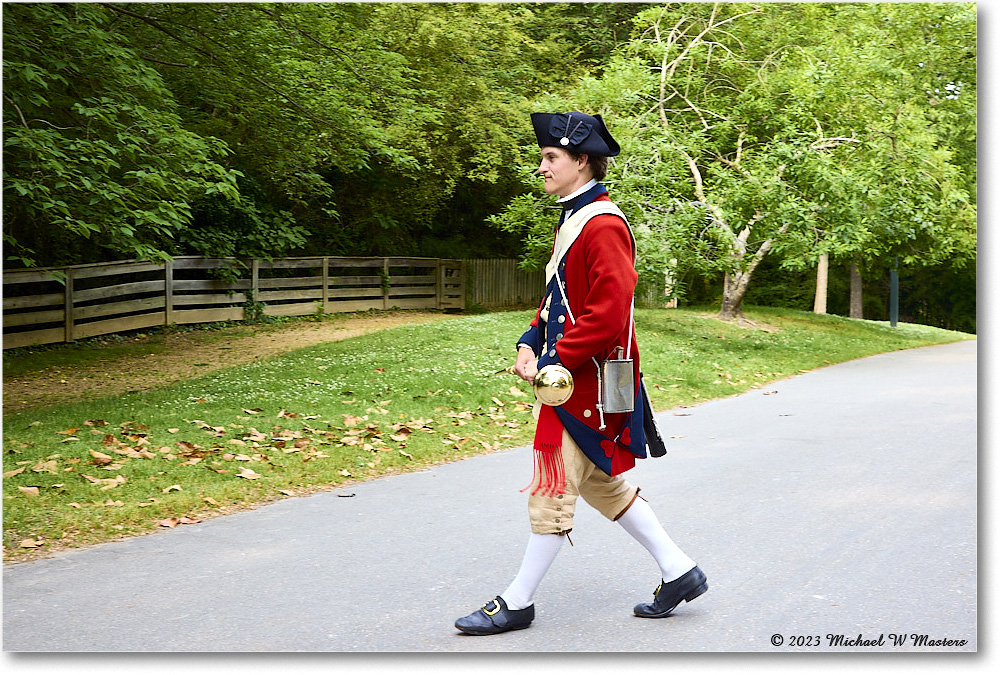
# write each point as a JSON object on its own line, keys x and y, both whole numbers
{"x": 598, "y": 164}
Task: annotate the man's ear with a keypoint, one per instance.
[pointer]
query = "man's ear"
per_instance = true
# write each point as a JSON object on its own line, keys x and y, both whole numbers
{"x": 582, "y": 159}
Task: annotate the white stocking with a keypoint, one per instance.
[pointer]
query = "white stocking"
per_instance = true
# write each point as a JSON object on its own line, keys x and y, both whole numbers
{"x": 539, "y": 554}
{"x": 640, "y": 522}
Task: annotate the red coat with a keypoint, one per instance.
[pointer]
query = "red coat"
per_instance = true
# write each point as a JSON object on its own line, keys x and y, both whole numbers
{"x": 600, "y": 280}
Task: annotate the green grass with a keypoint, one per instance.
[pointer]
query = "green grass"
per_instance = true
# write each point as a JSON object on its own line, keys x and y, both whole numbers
{"x": 318, "y": 418}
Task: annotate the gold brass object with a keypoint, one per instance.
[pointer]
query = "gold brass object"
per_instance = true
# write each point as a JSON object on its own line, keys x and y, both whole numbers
{"x": 553, "y": 385}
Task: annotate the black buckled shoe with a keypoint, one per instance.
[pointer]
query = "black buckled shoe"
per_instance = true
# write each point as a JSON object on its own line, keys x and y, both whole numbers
{"x": 668, "y": 595}
{"x": 494, "y": 617}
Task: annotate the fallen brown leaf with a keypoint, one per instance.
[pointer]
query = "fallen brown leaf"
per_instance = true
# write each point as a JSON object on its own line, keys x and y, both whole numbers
{"x": 100, "y": 458}
{"x": 106, "y": 483}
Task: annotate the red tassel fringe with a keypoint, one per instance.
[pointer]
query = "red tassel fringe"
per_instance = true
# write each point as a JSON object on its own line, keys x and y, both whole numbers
{"x": 550, "y": 473}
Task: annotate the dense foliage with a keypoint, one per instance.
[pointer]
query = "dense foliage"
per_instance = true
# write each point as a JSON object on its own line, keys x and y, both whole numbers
{"x": 755, "y": 136}
{"x": 791, "y": 130}
{"x": 269, "y": 129}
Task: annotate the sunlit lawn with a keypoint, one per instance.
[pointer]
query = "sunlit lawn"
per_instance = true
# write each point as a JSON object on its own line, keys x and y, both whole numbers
{"x": 317, "y": 418}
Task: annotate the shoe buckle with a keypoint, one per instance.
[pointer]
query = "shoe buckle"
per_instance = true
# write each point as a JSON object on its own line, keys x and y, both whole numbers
{"x": 491, "y": 612}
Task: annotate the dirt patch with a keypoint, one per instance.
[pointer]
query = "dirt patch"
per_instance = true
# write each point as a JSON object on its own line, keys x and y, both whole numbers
{"x": 744, "y": 322}
{"x": 182, "y": 356}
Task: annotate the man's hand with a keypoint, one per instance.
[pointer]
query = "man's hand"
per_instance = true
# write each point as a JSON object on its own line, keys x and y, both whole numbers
{"x": 526, "y": 366}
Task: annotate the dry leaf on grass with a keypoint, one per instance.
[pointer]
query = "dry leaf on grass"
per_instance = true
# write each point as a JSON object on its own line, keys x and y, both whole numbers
{"x": 106, "y": 483}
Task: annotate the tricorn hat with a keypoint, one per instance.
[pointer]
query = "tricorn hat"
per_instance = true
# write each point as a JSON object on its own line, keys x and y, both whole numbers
{"x": 576, "y": 132}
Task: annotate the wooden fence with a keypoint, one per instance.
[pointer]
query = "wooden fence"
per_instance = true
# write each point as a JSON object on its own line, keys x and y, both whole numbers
{"x": 497, "y": 283}
{"x": 105, "y": 298}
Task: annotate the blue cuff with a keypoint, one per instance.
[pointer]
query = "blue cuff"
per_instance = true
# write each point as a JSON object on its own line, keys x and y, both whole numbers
{"x": 532, "y": 338}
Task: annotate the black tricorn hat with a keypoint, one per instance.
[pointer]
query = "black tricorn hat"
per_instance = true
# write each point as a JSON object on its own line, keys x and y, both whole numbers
{"x": 576, "y": 132}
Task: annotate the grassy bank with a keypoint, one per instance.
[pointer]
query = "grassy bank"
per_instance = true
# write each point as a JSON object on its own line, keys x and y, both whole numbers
{"x": 325, "y": 416}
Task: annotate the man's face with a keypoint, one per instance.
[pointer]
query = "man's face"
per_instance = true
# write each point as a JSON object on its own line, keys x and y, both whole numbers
{"x": 563, "y": 174}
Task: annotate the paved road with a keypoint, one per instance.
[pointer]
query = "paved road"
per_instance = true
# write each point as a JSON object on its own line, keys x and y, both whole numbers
{"x": 839, "y": 502}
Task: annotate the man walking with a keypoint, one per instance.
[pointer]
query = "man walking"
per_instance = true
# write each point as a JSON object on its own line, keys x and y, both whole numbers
{"x": 585, "y": 443}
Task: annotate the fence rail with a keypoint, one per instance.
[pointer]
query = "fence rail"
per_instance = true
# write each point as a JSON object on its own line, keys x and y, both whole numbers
{"x": 80, "y": 301}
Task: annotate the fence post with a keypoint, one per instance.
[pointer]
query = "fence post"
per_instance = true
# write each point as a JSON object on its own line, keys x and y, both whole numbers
{"x": 326, "y": 283}
{"x": 463, "y": 273}
{"x": 254, "y": 287}
{"x": 168, "y": 292}
{"x": 69, "y": 318}
{"x": 439, "y": 283}
{"x": 386, "y": 283}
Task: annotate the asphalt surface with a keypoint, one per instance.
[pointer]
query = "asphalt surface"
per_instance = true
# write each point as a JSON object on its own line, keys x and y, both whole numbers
{"x": 836, "y": 505}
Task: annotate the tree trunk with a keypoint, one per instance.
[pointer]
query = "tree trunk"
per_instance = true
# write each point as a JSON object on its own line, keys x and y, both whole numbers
{"x": 733, "y": 290}
{"x": 857, "y": 312}
{"x": 822, "y": 274}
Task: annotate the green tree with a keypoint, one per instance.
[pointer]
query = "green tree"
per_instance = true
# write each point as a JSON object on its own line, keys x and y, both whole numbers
{"x": 94, "y": 150}
{"x": 901, "y": 186}
{"x": 792, "y": 129}
{"x": 351, "y": 128}
{"x": 381, "y": 128}
{"x": 297, "y": 91}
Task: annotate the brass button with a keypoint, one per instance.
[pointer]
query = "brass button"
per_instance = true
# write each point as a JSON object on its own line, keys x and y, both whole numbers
{"x": 587, "y": 412}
